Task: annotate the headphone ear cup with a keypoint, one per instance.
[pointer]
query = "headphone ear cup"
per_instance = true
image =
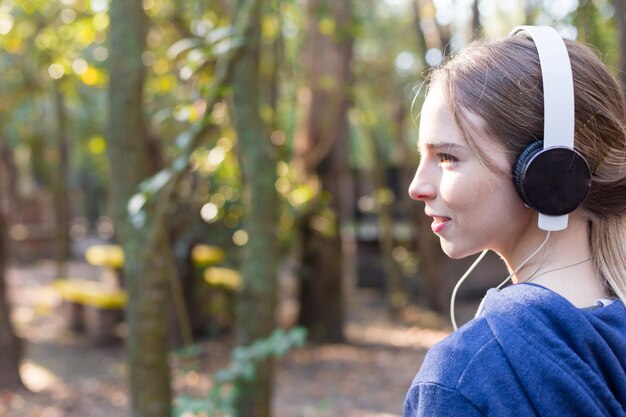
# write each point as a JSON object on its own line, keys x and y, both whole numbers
{"x": 520, "y": 166}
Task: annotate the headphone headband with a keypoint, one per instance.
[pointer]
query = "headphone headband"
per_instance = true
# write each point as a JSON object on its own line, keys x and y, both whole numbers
{"x": 558, "y": 85}
{"x": 558, "y": 99}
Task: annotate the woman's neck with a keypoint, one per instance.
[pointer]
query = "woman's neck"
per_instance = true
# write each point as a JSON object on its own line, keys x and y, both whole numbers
{"x": 563, "y": 264}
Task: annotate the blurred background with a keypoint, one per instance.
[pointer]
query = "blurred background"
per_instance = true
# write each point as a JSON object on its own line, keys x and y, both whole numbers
{"x": 204, "y": 207}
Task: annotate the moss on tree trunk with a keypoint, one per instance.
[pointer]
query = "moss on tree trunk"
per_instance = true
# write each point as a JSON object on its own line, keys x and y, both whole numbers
{"x": 10, "y": 349}
{"x": 257, "y": 299}
{"x": 147, "y": 249}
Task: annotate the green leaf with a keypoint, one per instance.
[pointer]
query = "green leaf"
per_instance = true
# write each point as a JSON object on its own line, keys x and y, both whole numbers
{"x": 182, "y": 46}
{"x": 136, "y": 203}
{"x": 184, "y": 139}
{"x": 155, "y": 183}
{"x": 219, "y": 34}
{"x": 228, "y": 45}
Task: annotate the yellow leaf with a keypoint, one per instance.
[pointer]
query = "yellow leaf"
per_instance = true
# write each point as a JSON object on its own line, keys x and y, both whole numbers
{"x": 100, "y": 21}
{"x": 90, "y": 76}
{"x": 270, "y": 28}
{"x": 13, "y": 45}
{"x": 97, "y": 145}
{"x": 327, "y": 26}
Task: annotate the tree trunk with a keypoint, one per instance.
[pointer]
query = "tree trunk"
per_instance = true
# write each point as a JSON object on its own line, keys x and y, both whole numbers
{"x": 445, "y": 35}
{"x": 322, "y": 148}
{"x": 422, "y": 46}
{"x": 147, "y": 270}
{"x": 8, "y": 180}
{"x": 10, "y": 346}
{"x": 620, "y": 17}
{"x": 530, "y": 12}
{"x": 148, "y": 256}
{"x": 257, "y": 299}
{"x": 394, "y": 293}
{"x": 60, "y": 182}
{"x": 590, "y": 23}
{"x": 477, "y": 29}
{"x": 274, "y": 78}
{"x": 10, "y": 349}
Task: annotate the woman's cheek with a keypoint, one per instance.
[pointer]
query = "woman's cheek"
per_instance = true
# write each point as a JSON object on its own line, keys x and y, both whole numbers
{"x": 452, "y": 189}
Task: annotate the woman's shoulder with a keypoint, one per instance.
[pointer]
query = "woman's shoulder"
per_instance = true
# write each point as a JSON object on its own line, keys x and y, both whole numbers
{"x": 519, "y": 316}
{"x": 447, "y": 361}
{"x": 537, "y": 312}
{"x": 466, "y": 368}
{"x": 522, "y": 335}
{"x": 472, "y": 344}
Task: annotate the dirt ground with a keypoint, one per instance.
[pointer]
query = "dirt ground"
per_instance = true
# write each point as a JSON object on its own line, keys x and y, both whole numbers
{"x": 68, "y": 377}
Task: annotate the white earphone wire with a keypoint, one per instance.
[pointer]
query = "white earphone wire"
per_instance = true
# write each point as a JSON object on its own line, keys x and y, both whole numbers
{"x": 458, "y": 285}
{"x": 507, "y": 279}
{"x": 475, "y": 264}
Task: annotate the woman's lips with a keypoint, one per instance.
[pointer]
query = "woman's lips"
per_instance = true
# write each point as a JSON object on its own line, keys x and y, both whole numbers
{"x": 439, "y": 222}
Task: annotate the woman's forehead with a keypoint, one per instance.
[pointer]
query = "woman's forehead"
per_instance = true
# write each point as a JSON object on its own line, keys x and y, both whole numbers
{"x": 436, "y": 124}
{"x": 438, "y": 128}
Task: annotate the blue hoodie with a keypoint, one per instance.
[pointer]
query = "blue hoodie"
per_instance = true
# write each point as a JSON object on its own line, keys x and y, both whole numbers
{"x": 530, "y": 353}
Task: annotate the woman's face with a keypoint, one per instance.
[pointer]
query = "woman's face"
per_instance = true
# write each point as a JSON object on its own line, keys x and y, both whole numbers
{"x": 472, "y": 207}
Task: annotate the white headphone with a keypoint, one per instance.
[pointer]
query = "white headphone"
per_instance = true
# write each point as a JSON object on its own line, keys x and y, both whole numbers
{"x": 549, "y": 175}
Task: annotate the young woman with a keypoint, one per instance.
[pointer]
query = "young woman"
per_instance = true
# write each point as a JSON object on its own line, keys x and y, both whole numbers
{"x": 554, "y": 342}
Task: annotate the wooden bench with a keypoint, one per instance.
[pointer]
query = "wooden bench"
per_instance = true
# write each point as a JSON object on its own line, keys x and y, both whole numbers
{"x": 110, "y": 259}
{"x": 206, "y": 255}
{"x": 226, "y": 278}
{"x": 92, "y": 307}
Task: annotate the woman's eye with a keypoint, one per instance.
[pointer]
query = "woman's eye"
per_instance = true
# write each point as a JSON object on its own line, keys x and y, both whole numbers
{"x": 445, "y": 158}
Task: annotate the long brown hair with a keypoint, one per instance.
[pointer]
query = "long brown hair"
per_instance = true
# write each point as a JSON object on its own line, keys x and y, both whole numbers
{"x": 500, "y": 81}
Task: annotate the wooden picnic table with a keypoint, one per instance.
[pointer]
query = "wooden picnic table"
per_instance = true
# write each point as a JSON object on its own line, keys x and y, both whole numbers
{"x": 97, "y": 306}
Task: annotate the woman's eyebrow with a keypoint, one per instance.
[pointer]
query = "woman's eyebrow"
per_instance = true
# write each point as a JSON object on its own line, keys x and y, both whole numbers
{"x": 436, "y": 146}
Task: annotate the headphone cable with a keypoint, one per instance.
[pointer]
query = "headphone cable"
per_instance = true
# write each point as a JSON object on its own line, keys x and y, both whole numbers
{"x": 458, "y": 285}
{"x": 525, "y": 261}
{"x": 475, "y": 264}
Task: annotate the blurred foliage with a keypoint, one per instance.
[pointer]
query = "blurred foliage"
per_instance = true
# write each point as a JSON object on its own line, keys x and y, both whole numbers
{"x": 66, "y": 41}
{"x": 220, "y": 400}
{"x": 46, "y": 42}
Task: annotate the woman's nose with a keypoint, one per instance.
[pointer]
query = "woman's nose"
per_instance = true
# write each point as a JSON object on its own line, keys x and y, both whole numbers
{"x": 421, "y": 188}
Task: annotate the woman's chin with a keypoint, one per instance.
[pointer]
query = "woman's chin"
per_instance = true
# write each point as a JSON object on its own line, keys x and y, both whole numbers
{"x": 450, "y": 250}
{"x": 455, "y": 256}
{"x": 456, "y": 252}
